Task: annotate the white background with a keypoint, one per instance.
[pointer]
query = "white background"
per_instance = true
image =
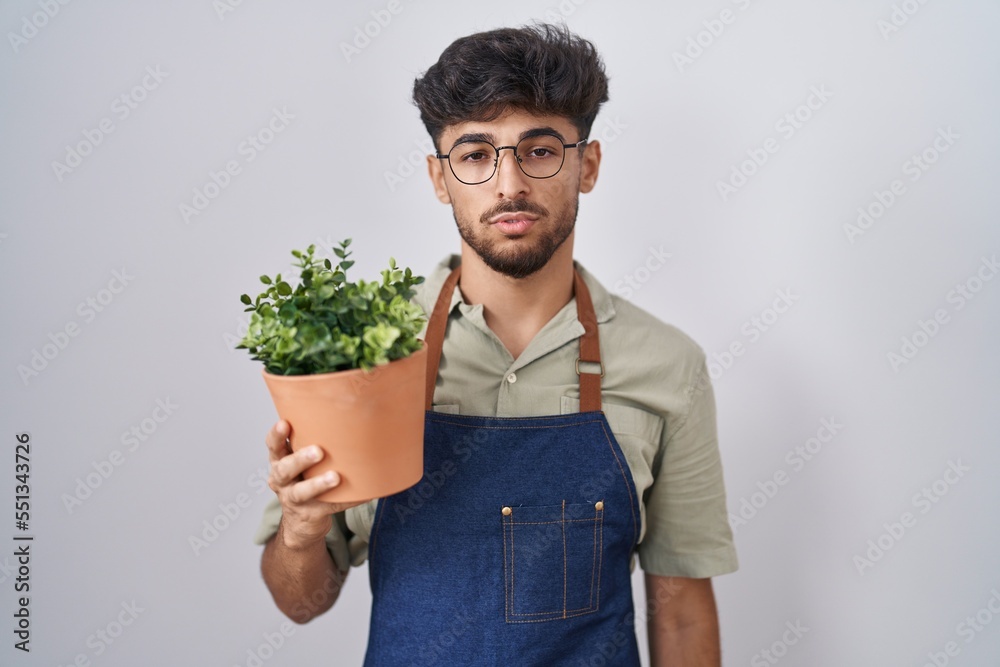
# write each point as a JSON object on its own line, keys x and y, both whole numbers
{"x": 671, "y": 132}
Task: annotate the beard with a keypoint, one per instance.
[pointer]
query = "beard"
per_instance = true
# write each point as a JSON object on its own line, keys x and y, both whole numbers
{"x": 526, "y": 258}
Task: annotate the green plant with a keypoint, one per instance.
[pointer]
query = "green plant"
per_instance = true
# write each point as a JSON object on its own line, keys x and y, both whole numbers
{"x": 327, "y": 323}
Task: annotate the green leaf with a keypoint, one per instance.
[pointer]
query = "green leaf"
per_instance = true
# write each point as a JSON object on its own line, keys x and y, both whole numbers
{"x": 326, "y": 323}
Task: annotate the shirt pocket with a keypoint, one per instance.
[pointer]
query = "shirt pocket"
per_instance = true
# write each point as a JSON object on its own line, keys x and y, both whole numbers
{"x": 552, "y": 560}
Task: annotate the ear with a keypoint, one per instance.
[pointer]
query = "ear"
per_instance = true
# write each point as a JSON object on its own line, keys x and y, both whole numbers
{"x": 590, "y": 166}
{"x": 435, "y": 169}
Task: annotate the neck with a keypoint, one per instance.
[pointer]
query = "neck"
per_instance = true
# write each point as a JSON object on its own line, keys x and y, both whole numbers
{"x": 517, "y": 308}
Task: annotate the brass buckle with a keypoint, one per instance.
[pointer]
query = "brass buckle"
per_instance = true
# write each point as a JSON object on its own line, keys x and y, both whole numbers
{"x": 589, "y": 362}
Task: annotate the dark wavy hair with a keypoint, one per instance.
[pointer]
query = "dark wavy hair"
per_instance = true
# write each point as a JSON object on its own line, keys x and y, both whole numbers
{"x": 540, "y": 68}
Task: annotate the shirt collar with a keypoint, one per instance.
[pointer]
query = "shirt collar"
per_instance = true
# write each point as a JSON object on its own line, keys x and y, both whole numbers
{"x": 603, "y": 307}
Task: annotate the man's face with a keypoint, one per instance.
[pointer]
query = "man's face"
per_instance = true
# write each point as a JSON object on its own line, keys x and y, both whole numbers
{"x": 515, "y": 223}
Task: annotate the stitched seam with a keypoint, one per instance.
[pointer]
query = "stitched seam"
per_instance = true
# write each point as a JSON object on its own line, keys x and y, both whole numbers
{"x": 564, "y": 556}
{"x": 507, "y": 574}
{"x": 635, "y": 530}
{"x": 554, "y": 618}
{"x": 600, "y": 558}
{"x": 593, "y": 564}
{"x": 557, "y": 612}
{"x": 512, "y": 571}
{"x": 512, "y": 428}
{"x": 542, "y": 523}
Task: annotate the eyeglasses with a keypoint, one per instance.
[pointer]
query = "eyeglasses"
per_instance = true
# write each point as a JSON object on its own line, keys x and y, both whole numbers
{"x": 539, "y": 156}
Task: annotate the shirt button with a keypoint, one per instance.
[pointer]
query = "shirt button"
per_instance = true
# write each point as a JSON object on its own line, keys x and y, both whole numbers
{"x": 512, "y": 378}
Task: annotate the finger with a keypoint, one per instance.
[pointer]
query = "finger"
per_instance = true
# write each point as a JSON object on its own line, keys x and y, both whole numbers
{"x": 277, "y": 437}
{"x": 306, "y": 490}
{"x": 288, "y": 468}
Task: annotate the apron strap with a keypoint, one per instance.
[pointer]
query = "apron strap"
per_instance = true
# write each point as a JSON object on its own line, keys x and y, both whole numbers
{"x": 434, "y": 338}
{"x": 590, "y": 349}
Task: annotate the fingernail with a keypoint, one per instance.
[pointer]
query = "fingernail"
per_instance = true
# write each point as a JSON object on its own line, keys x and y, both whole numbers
{"x": 331, "y": 478}
{"x": 313, "y": 453}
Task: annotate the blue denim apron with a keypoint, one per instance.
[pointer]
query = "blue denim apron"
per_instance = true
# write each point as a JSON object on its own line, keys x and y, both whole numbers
{"x": 515, "y": 547}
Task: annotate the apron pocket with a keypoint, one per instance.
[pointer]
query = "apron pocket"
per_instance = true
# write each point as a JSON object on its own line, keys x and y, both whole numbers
{"x": 552, "y": 560}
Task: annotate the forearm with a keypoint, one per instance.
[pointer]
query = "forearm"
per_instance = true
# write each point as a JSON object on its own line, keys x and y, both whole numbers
{"x": 683, "y": 623}
{"x": 303, "y": 579}
{"x": 695, "y": 645}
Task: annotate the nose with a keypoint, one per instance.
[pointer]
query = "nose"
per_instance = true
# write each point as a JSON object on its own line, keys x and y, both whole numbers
{"x": 512, "y": 183}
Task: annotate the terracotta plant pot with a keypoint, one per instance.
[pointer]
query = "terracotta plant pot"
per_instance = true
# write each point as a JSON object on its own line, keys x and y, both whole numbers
{"x": 370, "y": 424}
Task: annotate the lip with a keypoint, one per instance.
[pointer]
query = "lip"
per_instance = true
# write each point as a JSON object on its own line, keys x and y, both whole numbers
{"x": 508, "y": 217}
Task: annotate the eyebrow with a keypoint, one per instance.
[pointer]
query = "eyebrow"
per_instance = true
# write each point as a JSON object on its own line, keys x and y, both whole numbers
{"x": 489, "y": 137}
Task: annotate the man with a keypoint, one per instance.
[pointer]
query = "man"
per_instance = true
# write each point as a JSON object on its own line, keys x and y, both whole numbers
{"x": 566, "y": 430}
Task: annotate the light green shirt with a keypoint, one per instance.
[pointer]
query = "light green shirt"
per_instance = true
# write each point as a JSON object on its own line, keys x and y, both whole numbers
{"x": 655, "y": 393}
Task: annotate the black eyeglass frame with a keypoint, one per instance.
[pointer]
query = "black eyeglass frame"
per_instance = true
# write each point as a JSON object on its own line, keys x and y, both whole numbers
{"x": 496, "y": 157}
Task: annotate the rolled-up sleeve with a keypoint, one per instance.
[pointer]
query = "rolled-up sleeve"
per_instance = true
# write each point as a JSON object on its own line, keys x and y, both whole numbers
{"x": 687, "y": 530}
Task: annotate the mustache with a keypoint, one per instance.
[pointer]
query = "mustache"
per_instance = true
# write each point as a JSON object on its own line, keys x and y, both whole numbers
{"x": 513, "y": 206}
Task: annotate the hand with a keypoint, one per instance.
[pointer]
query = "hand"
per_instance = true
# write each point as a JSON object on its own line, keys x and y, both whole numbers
{"x": 304, "y": 518}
